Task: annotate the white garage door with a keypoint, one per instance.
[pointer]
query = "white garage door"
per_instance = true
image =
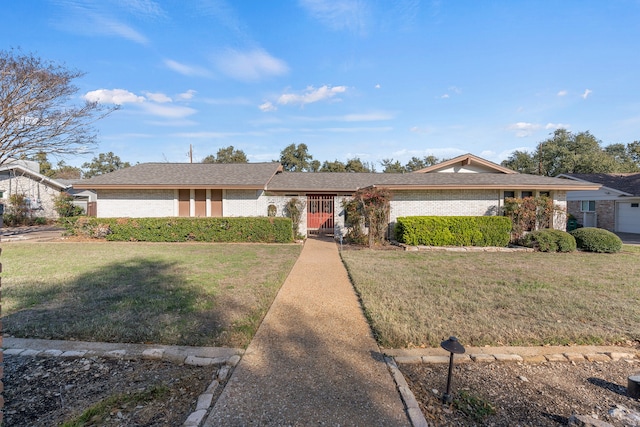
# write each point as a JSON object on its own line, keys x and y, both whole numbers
{"x": 628, "y": 217}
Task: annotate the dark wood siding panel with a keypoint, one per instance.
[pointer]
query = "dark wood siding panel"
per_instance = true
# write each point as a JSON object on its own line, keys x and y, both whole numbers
{"x": 184, "y": 197}
{"x": 201, "y": 202}
{"x": 216, "y": 203}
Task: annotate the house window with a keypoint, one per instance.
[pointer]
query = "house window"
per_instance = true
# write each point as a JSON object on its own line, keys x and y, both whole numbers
{"x": 635, "y": 205}
{"x": 588, "y": 206}
{"x": 1, "y": 194}
{"x": 509, "y": 194}
{"x": 527, "y": 194}
{"x": 545, "y": 194}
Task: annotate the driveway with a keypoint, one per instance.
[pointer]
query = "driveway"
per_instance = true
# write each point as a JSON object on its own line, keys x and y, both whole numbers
{"x": 629, "y": 238}
{"x": 34, "y": 233}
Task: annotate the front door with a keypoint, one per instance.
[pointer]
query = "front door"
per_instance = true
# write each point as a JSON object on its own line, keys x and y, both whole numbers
{"x": 320, "y": 213}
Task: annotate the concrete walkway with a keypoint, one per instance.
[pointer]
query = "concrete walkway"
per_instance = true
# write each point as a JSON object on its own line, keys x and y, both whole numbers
{"x": 313, "y": 361}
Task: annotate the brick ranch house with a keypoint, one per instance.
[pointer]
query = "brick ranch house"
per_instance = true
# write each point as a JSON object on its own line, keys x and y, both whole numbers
{"x": 24, "y": 177}
{"x": 466, "y": 185}
{"x": 615, "y": 206}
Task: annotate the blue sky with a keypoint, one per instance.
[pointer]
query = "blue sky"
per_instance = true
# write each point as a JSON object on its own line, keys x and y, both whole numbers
{"x": 372, "y": 79}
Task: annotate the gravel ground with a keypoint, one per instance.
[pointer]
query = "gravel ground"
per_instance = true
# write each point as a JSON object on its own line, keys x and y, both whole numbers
{"x": 47, "y": 391}
{"x": 545, "y": 394}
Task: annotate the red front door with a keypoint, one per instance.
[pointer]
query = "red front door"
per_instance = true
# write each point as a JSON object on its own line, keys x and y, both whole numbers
{"x": 320, "y": 212}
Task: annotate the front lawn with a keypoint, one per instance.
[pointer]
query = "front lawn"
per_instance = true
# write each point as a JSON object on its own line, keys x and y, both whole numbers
{"x": 420, "y": 298}
{"x": 186, "y": 294}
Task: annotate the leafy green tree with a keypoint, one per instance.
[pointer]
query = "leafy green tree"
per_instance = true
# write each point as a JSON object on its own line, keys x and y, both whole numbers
{"x": 357, "y": 165}
{"x": 64, "y": 171}
{"x": 227, "y": 155}
{"x": 521, "y": 161}
{"x": 623, "y": 157}
{"x": 392, "y": 166}
{"x": 102, "y": 164}
{"x": 45, "y": 164}
{"x": 296, "y": 158}
{"x": 335, "y": 166}
{"x": 416, "y": 163}
{"x": 37, "y": 112}
{"x": 566, "y": 152}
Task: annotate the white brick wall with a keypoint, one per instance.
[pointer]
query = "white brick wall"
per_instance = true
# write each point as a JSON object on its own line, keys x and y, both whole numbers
{"x": 136, "y": 203}
{"x": 444, "y": 203}
{"x": 34, "y": 190}
{"x": 243, "y": 203}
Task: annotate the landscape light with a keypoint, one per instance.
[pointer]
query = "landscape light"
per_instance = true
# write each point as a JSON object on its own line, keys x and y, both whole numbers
{"x": 453, "y": 346}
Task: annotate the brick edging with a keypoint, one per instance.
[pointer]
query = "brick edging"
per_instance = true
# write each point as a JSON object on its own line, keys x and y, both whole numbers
{"x": 607, "y": 356}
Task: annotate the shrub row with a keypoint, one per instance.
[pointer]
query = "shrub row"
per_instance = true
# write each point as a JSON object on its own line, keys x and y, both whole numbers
{"x": 453, "y": 230}
{"x": 549, "y": 240}
{"x": 259, "y": 229}
{"x": 597, "y": 240}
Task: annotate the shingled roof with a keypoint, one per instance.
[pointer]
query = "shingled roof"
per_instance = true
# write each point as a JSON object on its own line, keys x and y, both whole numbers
{"x": 626, "y": 182}
{"x": 348, "y": 182}
{"x": 186, "y": 175}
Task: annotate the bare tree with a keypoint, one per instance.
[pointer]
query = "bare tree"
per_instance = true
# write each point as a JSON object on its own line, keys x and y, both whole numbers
{"x": 37, "y": 113}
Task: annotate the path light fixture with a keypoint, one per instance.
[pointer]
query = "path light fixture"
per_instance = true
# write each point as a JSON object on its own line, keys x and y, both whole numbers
{"x": 453, "y": 346}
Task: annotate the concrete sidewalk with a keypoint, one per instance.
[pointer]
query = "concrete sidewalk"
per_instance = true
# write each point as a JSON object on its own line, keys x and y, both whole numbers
{"x": 313, "y": 361}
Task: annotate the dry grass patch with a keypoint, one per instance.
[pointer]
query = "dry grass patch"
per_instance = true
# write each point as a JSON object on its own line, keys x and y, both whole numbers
{"x": 184, "y": 294}
{"x": 419, "y": 298}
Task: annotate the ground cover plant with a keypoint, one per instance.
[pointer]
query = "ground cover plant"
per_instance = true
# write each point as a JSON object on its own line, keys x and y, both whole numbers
{"x": 186, "y": 294}
{"x": 420, "y": 298}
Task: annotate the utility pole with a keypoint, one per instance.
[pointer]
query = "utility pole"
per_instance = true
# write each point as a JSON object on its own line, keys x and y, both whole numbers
{"x": 190, "y": 153}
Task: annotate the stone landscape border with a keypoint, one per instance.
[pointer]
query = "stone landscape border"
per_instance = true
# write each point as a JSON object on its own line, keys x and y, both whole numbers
{"x": 530, "y": 355}
{"x": 227, "y": 358}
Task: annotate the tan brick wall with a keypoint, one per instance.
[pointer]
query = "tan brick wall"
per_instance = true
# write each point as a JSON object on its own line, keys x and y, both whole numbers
{"x": 32, "y": 189}
{"x": 605, "y": 212}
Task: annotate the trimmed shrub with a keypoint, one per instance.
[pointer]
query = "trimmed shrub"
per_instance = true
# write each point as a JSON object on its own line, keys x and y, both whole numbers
{"x": 258, "y": 229}
{"x": 593, "y": 239}
{"x": 454, "y": 230}
{"x": 549, "y": 240}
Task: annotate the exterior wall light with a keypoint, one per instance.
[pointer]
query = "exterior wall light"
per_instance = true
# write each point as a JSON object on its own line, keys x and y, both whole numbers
{"x": 453, "y": 346}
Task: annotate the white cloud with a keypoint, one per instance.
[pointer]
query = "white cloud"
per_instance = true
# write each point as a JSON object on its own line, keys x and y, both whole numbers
{"x": 311, "y": 95}
{"x": 586, "y": 93}
{"x": 168, "y": 111}
{"x": 250, "y": 66}
{"x": 144, "y": 8}
{"x": 557, "y": 126}
{"x": 158, "y": 97}
{"x": 267, "y": 107}
{"x": 445, "y": 96}
{"x": 350, "y": 15}
{"x": 523, "y": 129}
{"x": 377, "y": 86}
{"x": 186, "y": 70}
{"x": 113, "y": 96}
{"x": 562, "y": 93}
{"x": 184, "y": 96}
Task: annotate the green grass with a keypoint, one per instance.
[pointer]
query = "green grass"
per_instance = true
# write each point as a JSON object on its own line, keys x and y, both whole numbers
{"x": 183, "y": 294}
{"x": 419, "y": 298}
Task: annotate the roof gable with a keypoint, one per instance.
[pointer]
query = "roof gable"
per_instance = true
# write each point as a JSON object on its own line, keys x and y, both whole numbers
{"x": 628, "y": 183}
{"x": 19, "y": 170}
{"x": 467, "y": 163}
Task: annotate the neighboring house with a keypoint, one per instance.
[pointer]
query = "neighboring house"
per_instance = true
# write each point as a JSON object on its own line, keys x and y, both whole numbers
{"x": 24, "y": 177}
{"x": 466, "y": 185}
{"x": 614, "y": 207}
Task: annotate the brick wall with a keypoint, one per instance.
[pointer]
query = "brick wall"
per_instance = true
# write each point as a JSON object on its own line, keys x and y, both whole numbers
{"x": 136, "y": 203}
{"x": 32, "y": 189}
{"x": 444, "y": 203}
{"x": 605, "y": 213}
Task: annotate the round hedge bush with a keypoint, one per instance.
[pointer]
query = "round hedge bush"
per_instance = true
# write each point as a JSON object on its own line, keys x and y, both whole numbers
{"x": 597, "y": 240}
{"x": 549, "y": 240}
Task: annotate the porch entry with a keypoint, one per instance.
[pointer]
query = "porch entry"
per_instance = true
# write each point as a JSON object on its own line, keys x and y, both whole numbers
{"x": 320, "y": 210}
